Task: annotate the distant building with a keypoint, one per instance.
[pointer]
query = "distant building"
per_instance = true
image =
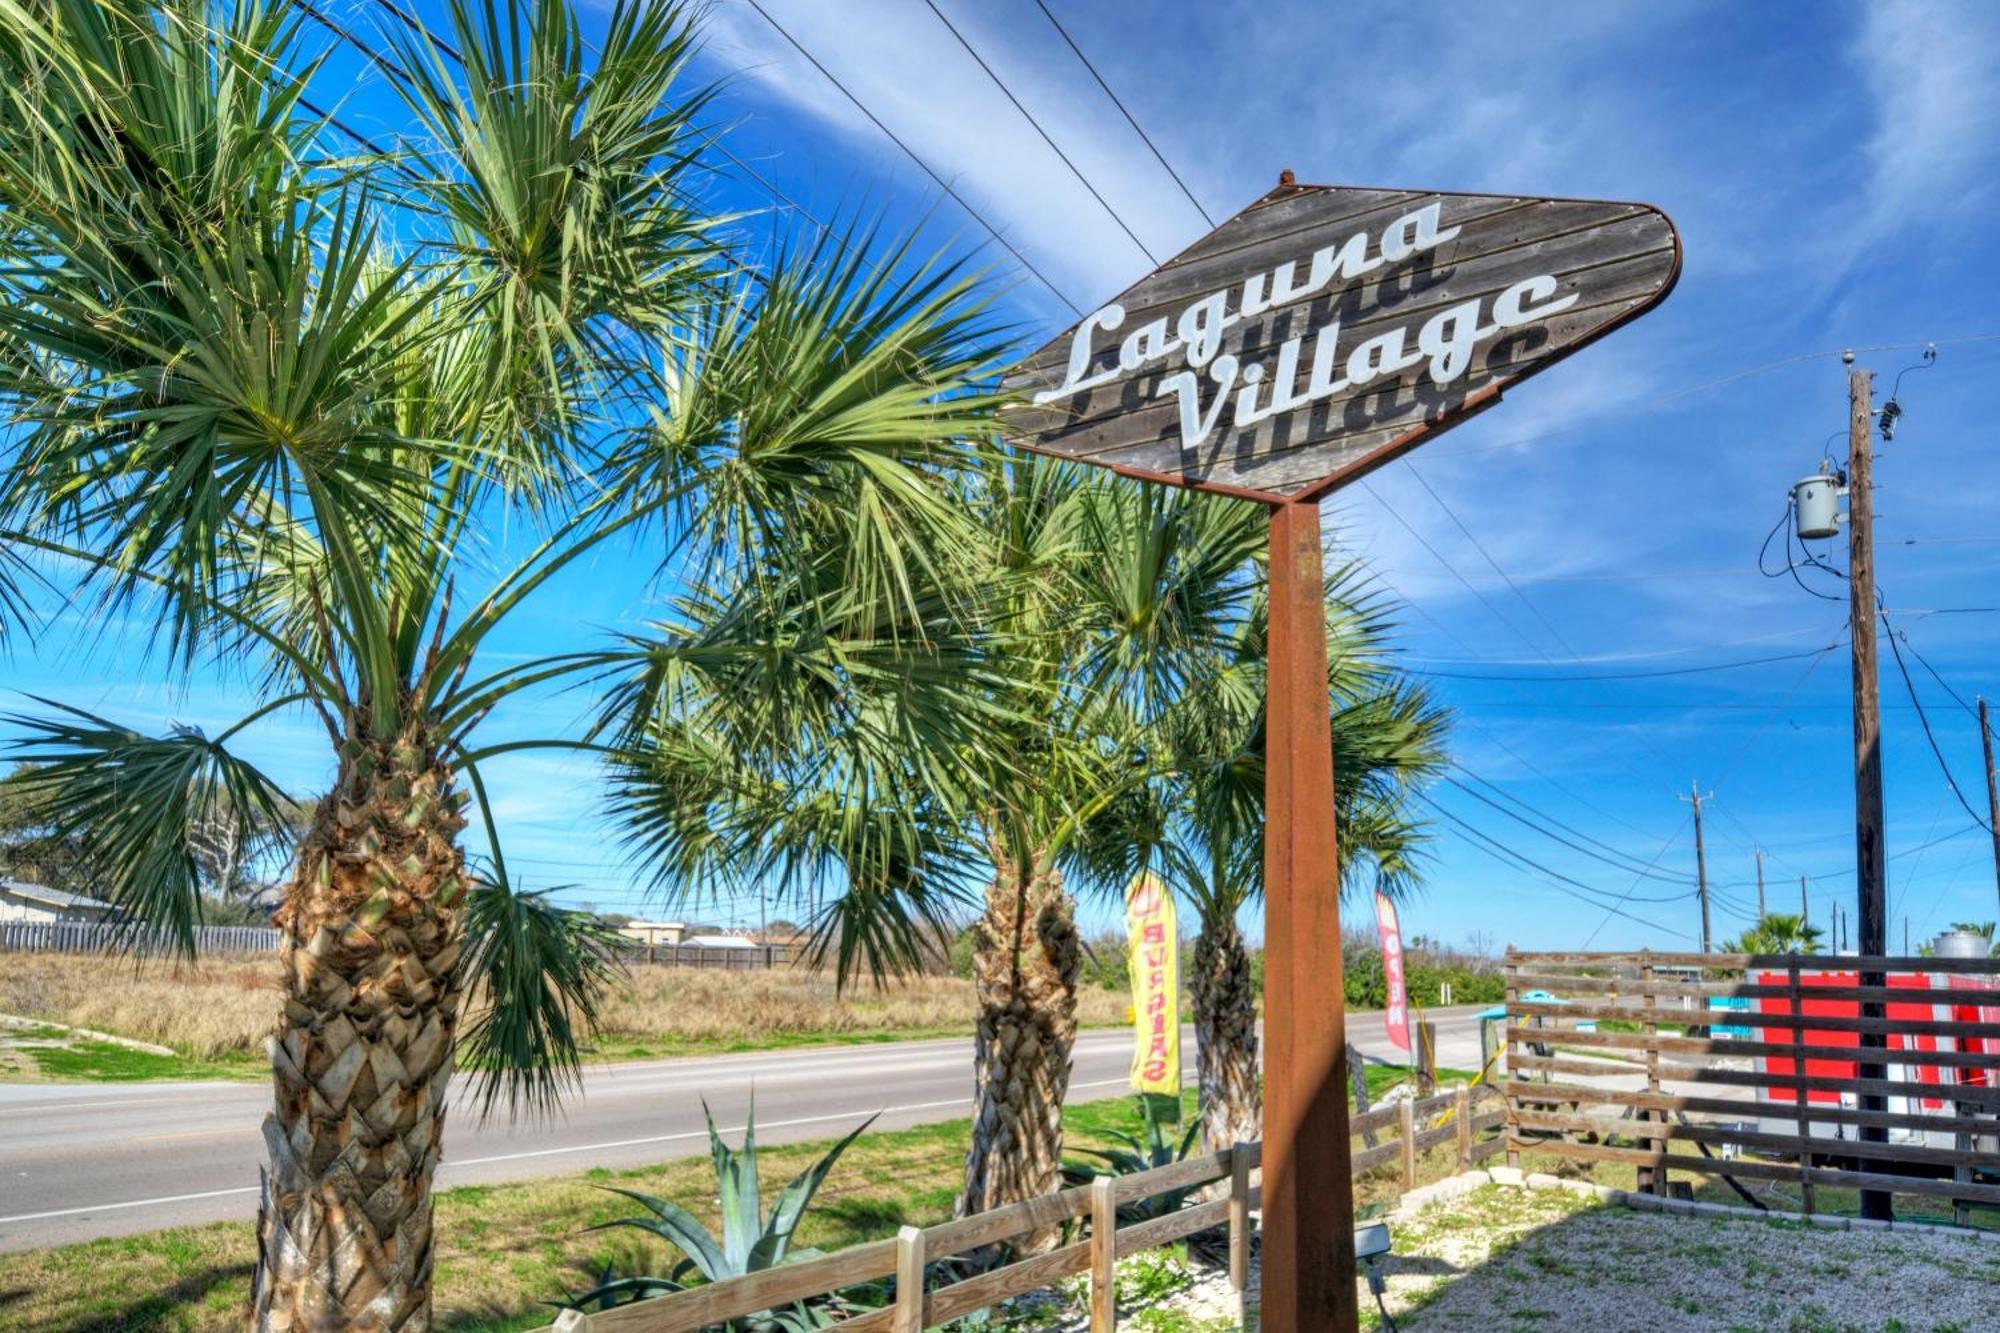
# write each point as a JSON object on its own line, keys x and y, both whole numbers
{"x": 20, "y": 901}
{"x": 718, "y": 942}
{"x": 662, "y": 934}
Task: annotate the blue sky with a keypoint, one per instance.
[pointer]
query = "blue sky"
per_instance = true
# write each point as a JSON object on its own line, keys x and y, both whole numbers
{"x": 1831, "y": 169}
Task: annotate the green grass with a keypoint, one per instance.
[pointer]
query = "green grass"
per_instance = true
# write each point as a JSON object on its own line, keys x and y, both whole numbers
{"x": 1381, "y": 1078}
{"x": 107, "y": 1062}
{"x": 85, "y": 1061}
{"x": 504, "y": 1250}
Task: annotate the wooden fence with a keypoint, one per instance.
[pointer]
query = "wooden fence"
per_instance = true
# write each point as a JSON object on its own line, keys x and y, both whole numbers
{"x": 757, "y": 957}
{"x": 1878, "y": 1074}
{"x": 1089, "y": 1211}
{"x": 97, "y": 937}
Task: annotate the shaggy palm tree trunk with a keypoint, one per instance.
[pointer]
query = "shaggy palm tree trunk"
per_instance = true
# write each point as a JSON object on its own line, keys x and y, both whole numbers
{"x": 372, "y": 925}
{"x": 1025, "y": 967}
{"x": 1225, "y": 1033}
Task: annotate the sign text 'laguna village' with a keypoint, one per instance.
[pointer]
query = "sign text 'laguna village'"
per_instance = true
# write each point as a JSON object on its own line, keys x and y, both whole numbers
{"x": 1324, "y": 330}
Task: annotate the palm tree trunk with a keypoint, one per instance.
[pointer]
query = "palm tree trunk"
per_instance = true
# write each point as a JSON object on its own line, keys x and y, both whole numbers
{"x": 372, "y": 925}
{"x": 1026, "y": 964}
{"x": 1225, "y": 1033}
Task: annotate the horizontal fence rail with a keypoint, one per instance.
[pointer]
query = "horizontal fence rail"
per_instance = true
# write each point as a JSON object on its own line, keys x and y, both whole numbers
{"x": 1875, "y": 1073}
{"x": 1093, "y": 1237}
{"x": 100, "y": 937}
{"x": 755, "y": 958}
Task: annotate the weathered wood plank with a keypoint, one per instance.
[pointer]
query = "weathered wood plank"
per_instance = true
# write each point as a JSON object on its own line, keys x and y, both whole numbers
{"x": 1380, "y": 1118}
{"x": 1817, "y": 1112}
{"x": 1919, "y": 1027}
{"x": 1519, "y": 244}
{"x": 1718, "y": 1135}
{"x": 1180, "y": 1175}
{"x": 1173, "y": 1226}
{"x": 989, "y": 1289}
{"x": 1004, "y": 1224}
{"x": 713, "y": 1304}
{"x": 1413, "y": 257}
{"x": 1749, "y": 1170}
{"x": 1757, "y": 1078}
{"x": 1742, "y": 1048}
{"x": 1369, "y": 1158}
{"x": 1092, "y": 417}
{"x": 1358, "y": 422}
{"x": 1774, "y": 962}
{"x": 1752, "y": 990}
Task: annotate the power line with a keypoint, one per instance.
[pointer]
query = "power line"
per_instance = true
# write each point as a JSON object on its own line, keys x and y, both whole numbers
{"x": 1498, "y": 850}
{"x": 1624, "y": 675}
{"x": 1577, "y": 847}
{"x": 909, "y": 152}
{"x": 1054, "y": 147}
{"x": 1944, "y": 684}
{"x": 1123, "y": 110}
{"x": 1924, "y": 719}
{"x": 1539, "y": 813}
{"x": 1735, "y": 762}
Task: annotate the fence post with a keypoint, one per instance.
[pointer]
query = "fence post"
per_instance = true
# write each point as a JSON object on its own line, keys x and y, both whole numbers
{"x": 1427, "y": 1059}
{"x": 1239, "y": 1218}
{"x": 1406, "y": 1115}
{"x": 909, "y": 1315}
{"x": 1796, "y": 999}
{"x": 1651, "y": 1180}
{"x": 1103, "y": 1256}
{"x": 1512, "y": 1109}
{"x": 1357, "y": 1074}
{"x": 1461, "y": 1107}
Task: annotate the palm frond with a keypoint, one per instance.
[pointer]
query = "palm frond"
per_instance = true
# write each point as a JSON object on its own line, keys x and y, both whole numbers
{"x": 534, "y": 974}
{"x": 137, "y": 803}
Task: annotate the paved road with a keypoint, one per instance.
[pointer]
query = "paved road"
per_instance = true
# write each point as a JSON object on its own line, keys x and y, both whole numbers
{"x": 79, "y": 1161}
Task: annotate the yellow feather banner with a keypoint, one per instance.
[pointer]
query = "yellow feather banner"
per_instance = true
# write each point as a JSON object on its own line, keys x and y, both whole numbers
{"x": 1152, "y": 933}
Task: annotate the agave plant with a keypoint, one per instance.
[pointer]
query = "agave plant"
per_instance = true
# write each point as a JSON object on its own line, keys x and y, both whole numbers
{"x": 1160, "y": 1142}
{"x": 751, "y": 1240}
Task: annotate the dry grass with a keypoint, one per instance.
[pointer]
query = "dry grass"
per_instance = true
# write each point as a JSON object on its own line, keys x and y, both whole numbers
{"x": 219, "y": 1006}
{"x": 707, "y": 1009}
{"x": 225, "y": 1006}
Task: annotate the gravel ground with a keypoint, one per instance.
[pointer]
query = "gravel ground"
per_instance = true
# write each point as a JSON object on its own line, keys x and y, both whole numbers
{"x": 1504, "y": 1259}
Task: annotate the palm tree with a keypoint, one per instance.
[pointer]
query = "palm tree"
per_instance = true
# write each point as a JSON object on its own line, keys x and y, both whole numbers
{"x": 886, "y": 826}
{"x": 1777, "y": 932}
{"x": 1198, "y": 688}
{"x": 275, "y": 391}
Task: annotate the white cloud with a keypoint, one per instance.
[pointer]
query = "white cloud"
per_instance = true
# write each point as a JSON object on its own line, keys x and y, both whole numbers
{"x": 1931, "y": 71}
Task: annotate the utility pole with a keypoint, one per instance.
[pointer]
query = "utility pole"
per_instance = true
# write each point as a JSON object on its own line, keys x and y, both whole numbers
{"x": 1701, "y": 865}
{"x": 1805, "y": 912}
{"x": 1992, "y": 790}
{"x": 1871, "y": 868}
{"x": 1760, "y": 883}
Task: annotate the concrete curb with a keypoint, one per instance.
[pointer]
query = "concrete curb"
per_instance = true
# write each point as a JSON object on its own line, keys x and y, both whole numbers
{"x": 88, "y": 1034}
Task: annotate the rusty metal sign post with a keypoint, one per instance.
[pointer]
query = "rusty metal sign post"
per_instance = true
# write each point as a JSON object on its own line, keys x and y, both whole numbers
{"x": 1313, "y": 337}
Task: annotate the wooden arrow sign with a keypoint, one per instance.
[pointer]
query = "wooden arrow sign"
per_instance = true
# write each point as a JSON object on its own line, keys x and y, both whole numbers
{"x": 1324, "y": 330}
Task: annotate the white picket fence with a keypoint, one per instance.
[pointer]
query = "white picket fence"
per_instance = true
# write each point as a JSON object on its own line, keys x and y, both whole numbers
{"x": 96, "y": 937}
